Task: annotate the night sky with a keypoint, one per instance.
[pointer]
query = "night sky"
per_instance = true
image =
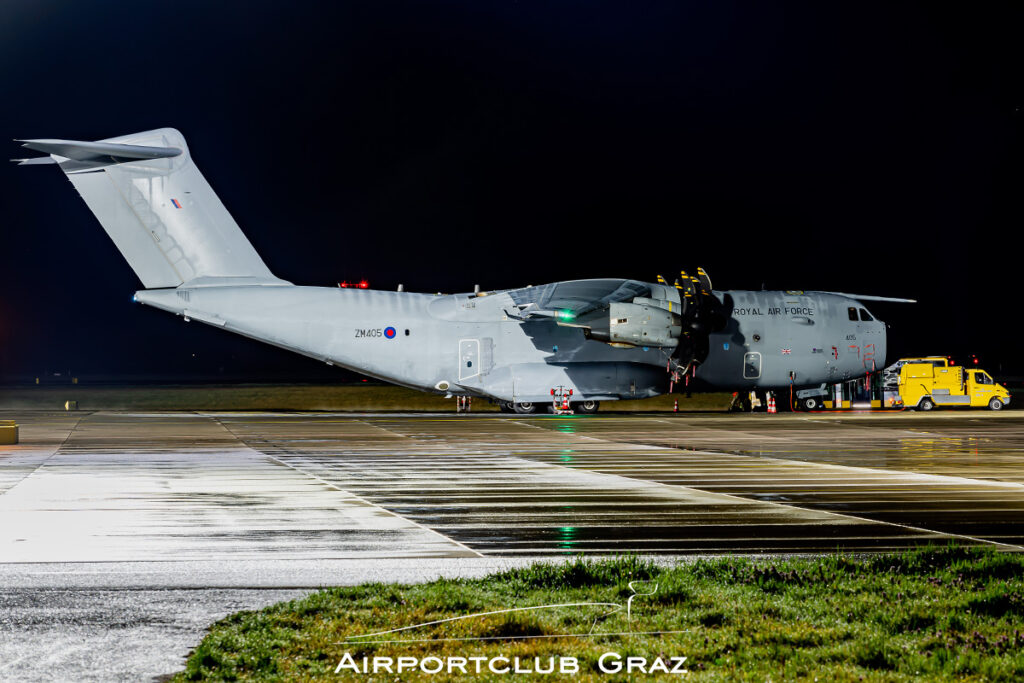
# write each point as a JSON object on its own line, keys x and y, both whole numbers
{"x": 849, "y": 147}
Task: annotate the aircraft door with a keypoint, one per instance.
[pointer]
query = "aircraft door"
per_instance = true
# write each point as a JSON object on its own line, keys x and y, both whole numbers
{"x": 751, "y": 365}
{"x": 469, "y": 358}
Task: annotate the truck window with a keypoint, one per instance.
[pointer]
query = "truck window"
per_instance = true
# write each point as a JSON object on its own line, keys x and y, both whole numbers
{"x": 864, "y": 315}
{"x": 982, "y": 378}
{"x": 852, "y": 312}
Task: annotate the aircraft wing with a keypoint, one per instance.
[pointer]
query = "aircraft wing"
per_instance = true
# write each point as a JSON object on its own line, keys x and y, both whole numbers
{"x": 574, "y": 298}
{"x": 868, "y": 297}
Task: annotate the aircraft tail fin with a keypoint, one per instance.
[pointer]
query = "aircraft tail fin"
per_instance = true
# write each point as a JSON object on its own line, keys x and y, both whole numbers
{"x": 158, "y": 208}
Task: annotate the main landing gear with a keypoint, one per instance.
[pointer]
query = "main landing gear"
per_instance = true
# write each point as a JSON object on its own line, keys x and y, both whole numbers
{"x": 810, "y": 403}
{"x": 527, "y": 408}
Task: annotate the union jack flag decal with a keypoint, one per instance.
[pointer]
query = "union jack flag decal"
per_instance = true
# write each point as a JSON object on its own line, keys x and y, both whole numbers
{"x": 786, "y": 352}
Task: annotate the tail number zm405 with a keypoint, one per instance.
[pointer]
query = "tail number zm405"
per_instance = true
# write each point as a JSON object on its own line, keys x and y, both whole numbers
{"x": 376, "y": 333}
{"x": 373, "y": 333}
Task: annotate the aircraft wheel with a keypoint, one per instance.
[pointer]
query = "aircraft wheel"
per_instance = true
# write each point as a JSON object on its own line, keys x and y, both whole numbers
{"x": 505, "y": 407}
{"x": 926, "y": 404}
{"x": 995, "y": 404}
{"x": 810, "y": 403}
{"x": 525, "y": 408}
{"x": 586, "y": 407}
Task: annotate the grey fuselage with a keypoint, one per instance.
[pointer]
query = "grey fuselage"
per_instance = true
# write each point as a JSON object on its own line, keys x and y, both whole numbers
{"x": 601, "y": 339}
{"x": 469, "y": 344}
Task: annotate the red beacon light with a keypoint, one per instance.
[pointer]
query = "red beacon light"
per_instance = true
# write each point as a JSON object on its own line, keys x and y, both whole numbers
{"x": 362, "y": 284}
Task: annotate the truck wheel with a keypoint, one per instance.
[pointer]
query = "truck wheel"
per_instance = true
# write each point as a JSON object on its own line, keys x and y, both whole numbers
{"x": 926, "y": 404}
{"x": 995, "y": 404}
{"x": 810, "y": 403}
{"x": 585, "y": 407}
{"x": 526, "y": 408}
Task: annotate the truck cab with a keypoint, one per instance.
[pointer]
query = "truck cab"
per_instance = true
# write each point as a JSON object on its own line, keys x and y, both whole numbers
{"x": 984, "y": 391}
{"x": 925, "y": 384}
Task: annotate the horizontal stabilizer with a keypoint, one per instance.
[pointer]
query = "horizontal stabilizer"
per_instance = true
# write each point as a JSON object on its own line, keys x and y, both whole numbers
{"x": 35, "y": 161}
{"x": 100, "y": 152}
{"x": 868, "y": 297}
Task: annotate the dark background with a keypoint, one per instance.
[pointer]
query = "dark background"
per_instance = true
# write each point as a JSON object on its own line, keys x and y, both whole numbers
{"x": 849, "y": 147}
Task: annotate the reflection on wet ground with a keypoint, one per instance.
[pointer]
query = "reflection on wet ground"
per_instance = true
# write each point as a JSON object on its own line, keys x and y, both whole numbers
{"x": 150, "y": 526}
{"x": 117, "y": 485}
{"x": 679, "y": 484}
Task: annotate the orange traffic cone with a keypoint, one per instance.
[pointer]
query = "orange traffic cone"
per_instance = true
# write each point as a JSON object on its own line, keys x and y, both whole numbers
{"x": 675, "y": 406}
{"x": 771, "y": 405}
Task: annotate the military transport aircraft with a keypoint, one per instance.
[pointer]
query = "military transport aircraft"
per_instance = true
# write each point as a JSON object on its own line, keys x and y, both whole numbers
{"x": 603, "y": 339}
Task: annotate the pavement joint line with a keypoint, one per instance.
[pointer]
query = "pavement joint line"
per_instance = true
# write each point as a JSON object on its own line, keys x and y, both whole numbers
{"x": 847, "y": 516}
{"x": 47, "y": 458}
{"x": 525, "y": 423}
{"x": 742, "y": 432}
{"x": 811, "y": 509}
{"x": 885, "y": 474}
{"x": 338, "y": 488}
{"x": 9, "y": 664}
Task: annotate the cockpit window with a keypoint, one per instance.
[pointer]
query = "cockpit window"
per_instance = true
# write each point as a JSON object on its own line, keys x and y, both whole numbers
{"x": 864, "y": 315}
{"x": 852, "y": 312}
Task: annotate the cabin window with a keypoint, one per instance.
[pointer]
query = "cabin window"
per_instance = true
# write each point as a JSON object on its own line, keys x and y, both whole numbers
{"x": 982, "y": 378}
{"x": 852, "y": 312}
{"x": 864, "y": 315}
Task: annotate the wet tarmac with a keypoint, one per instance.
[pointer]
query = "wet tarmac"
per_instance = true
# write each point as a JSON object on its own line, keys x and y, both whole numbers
{"x": 149, "y": 526}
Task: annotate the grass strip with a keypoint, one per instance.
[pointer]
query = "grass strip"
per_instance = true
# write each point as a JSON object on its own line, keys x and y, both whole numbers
{"x": 952, "y": 613}
{"x": 321, "y": 397}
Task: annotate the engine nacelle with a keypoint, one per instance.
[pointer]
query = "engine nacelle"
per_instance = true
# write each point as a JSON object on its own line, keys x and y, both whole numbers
{"x": 643, "y": 325}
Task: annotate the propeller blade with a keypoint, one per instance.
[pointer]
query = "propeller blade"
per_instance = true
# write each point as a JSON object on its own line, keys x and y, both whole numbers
{"x": 705, "y": 281}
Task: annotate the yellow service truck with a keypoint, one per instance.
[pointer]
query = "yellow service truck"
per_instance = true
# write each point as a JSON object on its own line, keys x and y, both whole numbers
{"x": 927, "y": 383}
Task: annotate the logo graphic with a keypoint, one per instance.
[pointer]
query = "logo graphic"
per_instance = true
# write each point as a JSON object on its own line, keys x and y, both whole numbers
{"x": 615, "y": 607}
{"x": 177, "y": 204}
{"x": 389, "y": 332}
{"x": 610, "y": 662}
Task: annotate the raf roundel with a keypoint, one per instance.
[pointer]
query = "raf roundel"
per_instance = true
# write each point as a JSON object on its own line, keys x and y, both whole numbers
{"x": 389, "y": 332}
